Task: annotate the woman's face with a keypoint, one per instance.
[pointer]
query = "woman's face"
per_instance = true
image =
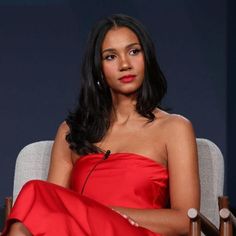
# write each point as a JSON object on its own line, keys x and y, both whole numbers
{"x": 122, "y": 61}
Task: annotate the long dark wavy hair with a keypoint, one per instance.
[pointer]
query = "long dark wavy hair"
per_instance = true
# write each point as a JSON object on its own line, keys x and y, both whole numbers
{"x": 91, "y": 118}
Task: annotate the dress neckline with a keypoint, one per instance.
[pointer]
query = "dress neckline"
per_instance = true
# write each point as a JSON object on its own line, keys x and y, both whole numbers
{"x": 113, "y": 154}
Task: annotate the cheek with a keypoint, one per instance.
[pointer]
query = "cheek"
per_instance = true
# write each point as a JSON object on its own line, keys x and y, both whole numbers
{"x": 139, "y": 64}
{"x": 140, "y": 71}
{"x": 108, "y": 70}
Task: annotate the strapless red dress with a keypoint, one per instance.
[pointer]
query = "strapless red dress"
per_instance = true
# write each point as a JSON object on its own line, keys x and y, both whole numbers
{"x": 123, "y": 179}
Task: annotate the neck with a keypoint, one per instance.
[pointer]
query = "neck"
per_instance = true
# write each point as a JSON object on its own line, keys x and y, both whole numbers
{"x": 123, "y": 108}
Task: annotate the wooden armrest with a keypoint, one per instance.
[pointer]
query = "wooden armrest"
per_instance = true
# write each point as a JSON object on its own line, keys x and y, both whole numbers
{"x": 199, "y": 222}
{"x": 8, "y": 206}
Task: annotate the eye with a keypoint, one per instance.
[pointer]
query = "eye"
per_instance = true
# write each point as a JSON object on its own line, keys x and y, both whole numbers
{"x": 109, "y": 57}
{"x": 134, "y": 51}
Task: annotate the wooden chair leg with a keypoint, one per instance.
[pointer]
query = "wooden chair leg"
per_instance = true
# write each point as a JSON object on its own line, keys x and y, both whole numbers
{"x": 8, "y": 206}
{"x": 223, "y": 202}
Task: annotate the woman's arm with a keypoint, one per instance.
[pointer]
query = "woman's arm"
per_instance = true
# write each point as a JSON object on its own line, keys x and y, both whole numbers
{"x": 61, "y": 162}
{"x": 183, "y": 181}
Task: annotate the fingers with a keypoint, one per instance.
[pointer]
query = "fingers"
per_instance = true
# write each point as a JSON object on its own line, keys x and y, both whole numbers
{"x": 131, "y": 221}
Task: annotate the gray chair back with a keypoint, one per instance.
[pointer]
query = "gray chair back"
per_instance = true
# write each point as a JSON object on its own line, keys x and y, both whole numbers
{"x": 211, "y": 170}
{"x": 33, "y": 163}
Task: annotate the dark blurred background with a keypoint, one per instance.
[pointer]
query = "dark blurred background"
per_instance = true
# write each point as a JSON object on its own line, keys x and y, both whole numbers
{"x": 41, "y": 47}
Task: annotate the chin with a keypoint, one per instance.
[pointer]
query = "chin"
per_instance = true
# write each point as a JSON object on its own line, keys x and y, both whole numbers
{"x": 129, "y": 90}
{"x": 132, "y": 88}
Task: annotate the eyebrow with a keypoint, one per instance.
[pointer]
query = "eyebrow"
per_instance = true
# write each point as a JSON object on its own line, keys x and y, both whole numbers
{"x": 112, "y": 49}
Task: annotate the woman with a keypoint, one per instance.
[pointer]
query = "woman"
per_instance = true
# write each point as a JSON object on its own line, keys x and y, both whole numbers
{"x": 118, "y": 160}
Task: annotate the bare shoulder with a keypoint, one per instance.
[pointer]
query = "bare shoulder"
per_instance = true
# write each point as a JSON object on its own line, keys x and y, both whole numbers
{"x": 178, "y": 135}
{"x": 178, "y": 122}
{"x": 60, "y": 139}
{"x": 62, "y": 131}
{"x": 63, "y": 127}
{"x": 175, "y": 131}
{"x": 172, "y": 124}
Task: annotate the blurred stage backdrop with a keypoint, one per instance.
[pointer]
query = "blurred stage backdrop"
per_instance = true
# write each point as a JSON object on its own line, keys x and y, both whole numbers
{"x": 41, "y": 47}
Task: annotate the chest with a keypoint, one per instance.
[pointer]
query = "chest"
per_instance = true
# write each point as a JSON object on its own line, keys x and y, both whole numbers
{"x": 141, "y": 140}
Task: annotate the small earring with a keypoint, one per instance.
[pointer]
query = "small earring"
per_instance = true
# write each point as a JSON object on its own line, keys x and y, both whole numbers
{"x": 98, "y": 83}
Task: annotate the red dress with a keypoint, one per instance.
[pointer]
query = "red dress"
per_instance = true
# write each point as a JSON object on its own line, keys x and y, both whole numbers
{"x": 123, "y": 179}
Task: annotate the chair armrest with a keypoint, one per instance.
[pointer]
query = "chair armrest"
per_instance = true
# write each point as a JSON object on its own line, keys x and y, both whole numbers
{"x": 199, "y": 222}
{"x": 227, "y": 222}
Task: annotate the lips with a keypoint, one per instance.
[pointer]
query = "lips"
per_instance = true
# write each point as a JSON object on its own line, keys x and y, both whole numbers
{"x": 127, "y": 78}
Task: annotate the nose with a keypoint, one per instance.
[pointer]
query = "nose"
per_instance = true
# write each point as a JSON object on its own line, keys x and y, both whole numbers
{"x": 125, "y": 63}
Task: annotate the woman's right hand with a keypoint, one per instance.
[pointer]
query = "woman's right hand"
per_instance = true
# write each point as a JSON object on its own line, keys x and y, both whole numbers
{"x": 131, "y": 221}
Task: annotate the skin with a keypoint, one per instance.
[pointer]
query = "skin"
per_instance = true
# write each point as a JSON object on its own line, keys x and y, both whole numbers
{"x": 168, "y": 140}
